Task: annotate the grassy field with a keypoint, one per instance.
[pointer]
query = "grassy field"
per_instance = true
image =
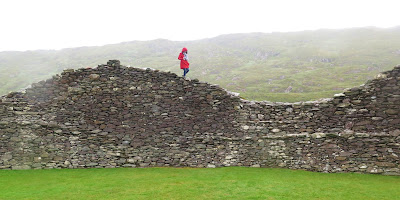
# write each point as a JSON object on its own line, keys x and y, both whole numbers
{"x": 189, "y": 183}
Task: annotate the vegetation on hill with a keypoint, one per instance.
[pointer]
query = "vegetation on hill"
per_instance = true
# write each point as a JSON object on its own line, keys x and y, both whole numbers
{"x": 295, "y": 66}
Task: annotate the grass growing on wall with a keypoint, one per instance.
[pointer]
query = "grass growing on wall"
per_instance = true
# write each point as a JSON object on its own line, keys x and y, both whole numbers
{"x": 189, "y": 183}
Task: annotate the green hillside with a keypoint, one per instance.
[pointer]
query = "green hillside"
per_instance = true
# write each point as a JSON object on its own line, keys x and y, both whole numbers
{"x": 296, "y": 66}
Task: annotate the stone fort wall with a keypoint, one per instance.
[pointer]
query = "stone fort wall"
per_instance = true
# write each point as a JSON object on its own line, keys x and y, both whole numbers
{"x": 116, "y": 116}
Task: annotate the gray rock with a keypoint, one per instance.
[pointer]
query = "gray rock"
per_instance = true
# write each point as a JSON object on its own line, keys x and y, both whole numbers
{"x": 210, "y": 166}
{"x": 94, "y": 77}
{"x": 21, "y": 167}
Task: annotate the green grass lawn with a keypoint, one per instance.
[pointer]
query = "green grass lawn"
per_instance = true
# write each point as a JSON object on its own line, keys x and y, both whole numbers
{"x": 189, "y": 183}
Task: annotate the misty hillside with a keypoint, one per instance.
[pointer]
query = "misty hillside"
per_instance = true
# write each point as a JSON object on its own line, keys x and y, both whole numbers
{"x": 295, "y": 66}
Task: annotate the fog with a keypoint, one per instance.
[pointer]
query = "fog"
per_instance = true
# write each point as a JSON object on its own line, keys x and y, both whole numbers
{"x": 46, "y": 24}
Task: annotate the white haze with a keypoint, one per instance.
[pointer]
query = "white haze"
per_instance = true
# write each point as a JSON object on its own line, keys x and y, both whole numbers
{"x": 56, "y": 24}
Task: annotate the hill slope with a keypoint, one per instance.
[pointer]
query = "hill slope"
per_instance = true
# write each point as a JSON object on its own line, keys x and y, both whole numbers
{"x": 289, "y": 67}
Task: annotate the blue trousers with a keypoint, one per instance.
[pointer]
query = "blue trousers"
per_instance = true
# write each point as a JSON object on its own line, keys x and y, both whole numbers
{"x": 185, "y": 71}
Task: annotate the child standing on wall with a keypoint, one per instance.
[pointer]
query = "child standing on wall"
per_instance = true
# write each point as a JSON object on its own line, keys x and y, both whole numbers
{"x": 183, "y": 56}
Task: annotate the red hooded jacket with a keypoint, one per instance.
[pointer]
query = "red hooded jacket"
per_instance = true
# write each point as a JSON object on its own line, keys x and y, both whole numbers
{"x": 184, "y": 63}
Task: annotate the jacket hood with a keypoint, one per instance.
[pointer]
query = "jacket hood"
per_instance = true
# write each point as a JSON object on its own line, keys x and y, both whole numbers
{"x": 184, "y": 49}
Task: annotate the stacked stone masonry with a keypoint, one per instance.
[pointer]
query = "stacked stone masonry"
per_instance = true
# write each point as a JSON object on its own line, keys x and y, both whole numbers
{"x": 117, "y": 116}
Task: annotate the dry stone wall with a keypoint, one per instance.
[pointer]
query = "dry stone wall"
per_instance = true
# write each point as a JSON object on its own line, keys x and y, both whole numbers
{"x": 117, "y": 116}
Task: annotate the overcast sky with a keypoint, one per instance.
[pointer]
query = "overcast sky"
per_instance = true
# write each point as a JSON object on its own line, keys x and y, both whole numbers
{"x": 56, "y": 24}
